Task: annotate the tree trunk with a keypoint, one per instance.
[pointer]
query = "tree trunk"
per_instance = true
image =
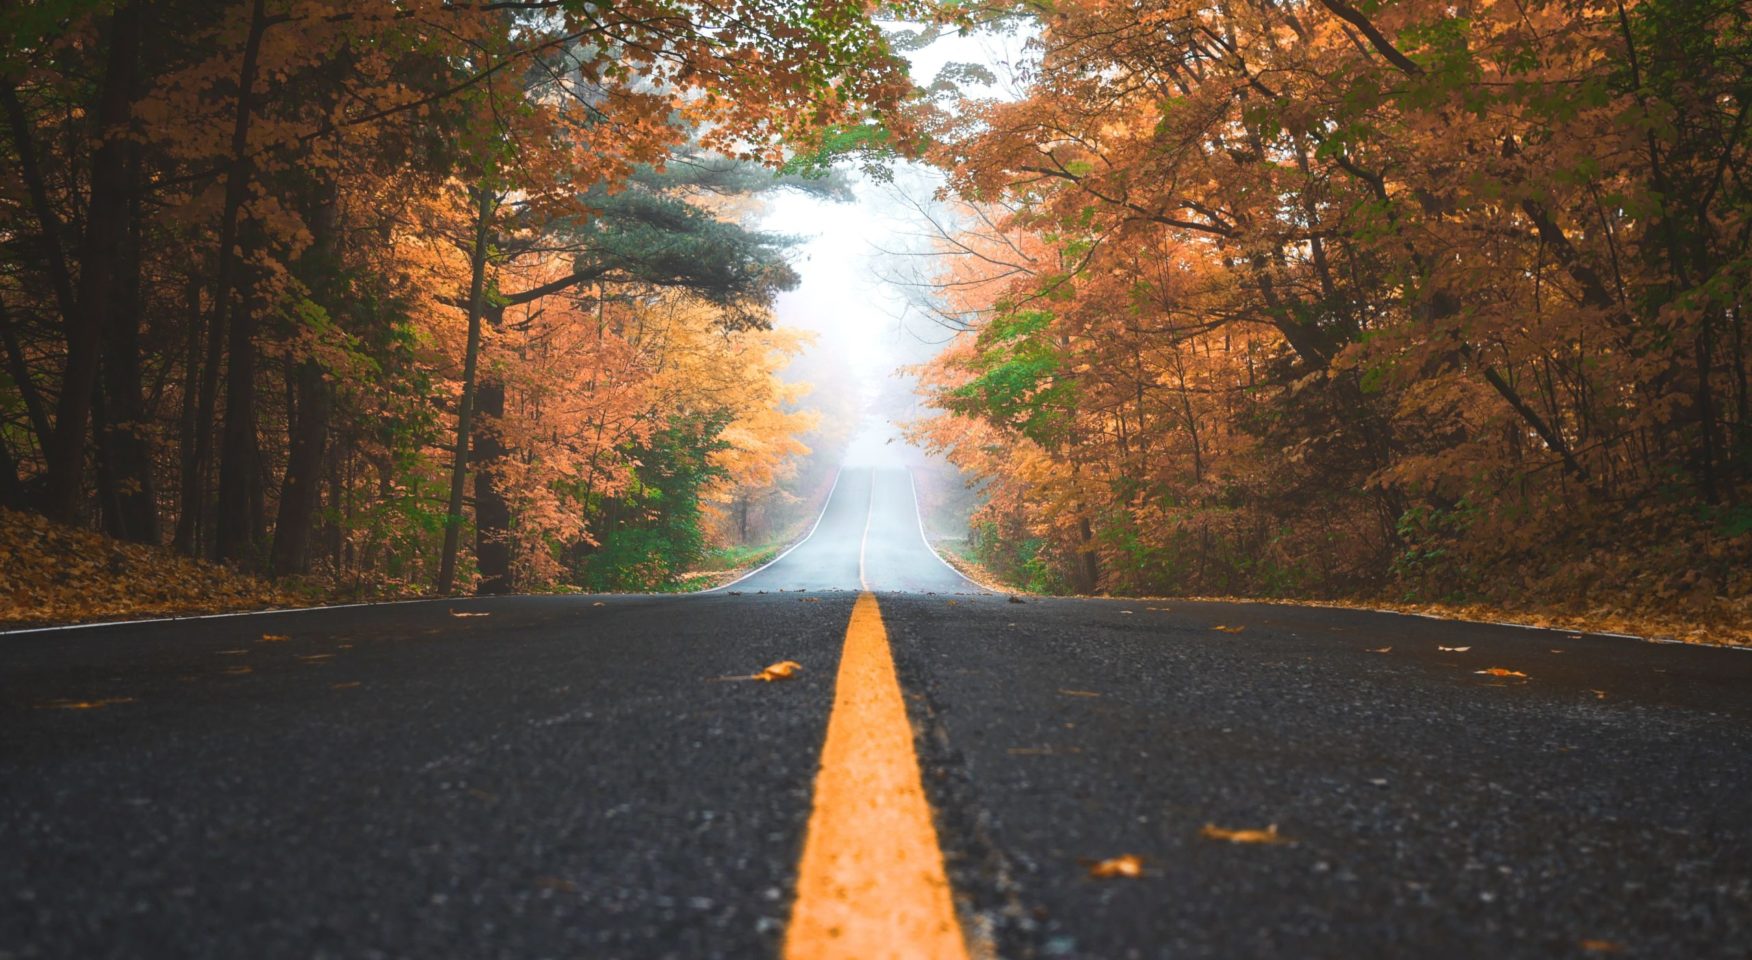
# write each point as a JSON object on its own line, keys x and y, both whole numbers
{"x": 130, "y": 502}
{"x": 301, "y": 488}
{"x": 312, "y": 394}
{"x": 99, "y": 269}
{"x": 492, "y": 513}
{"x": 237, "y": 530}
{"x": 485, "y": 203}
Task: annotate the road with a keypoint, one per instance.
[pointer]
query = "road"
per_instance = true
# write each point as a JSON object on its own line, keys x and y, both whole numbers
{"x": 596, "y": 777}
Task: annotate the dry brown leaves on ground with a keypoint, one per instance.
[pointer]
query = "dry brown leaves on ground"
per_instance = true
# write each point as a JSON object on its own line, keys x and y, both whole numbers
{"x": 52, "y": 573}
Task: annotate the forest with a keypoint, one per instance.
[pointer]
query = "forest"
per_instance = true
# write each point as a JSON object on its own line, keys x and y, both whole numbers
{"x": 1441, "y": 301}
{"x": 1437, "y": 301}
{"x": 422, "y": 295}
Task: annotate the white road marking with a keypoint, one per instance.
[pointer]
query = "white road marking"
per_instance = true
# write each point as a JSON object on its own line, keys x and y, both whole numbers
{"x": 818, "y": 518}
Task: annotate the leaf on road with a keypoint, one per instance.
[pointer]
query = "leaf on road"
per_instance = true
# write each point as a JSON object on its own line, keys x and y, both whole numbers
{"x": 783, "y": 670}
{"x": 1500, "y": 672}
{"x": 1016, "y": 599}
{"x": 230, "y": 653}
{"x": 466, "y": 613}
{"x": 1379, "y": 650}
{"x": 809, "y": 600}
{"x": 1125, "y": 865}
{"x": 275, "y": 638}
{"x": 1126, "y": 612}
{"x": 1223, "y": 629}
{"x": 1453, "y": 649}
{"x": 1079, "y": 693}
{"x": 316, "y": 657}
{"x": 599, "y": 603}
{"x": 1602, "y": 946}
{"x": 1269, "y": 835}
{"x": 238, "y": 671}
{"x": 1598, "y": 694}
{"x": 83, "y": 704}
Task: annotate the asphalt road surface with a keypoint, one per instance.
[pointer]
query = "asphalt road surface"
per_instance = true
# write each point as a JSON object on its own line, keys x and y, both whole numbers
{"x": 596, "y": 776}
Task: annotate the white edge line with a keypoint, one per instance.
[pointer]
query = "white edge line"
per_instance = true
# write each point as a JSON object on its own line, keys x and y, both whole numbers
{"x": 234, "y": 613}
{"x": 864, "y": 542}
{"x": 920, "y": 516}
{"x": 818, "y": 518}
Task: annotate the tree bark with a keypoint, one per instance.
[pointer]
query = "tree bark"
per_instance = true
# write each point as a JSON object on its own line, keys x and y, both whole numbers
{"x": 130, "y": 500}
{"x": 492, "y": 513}
{"x": 307, "y": 426}
{"x": 485, "y": 203}
{"x": 100, "y": 254}
{"x": 238, "y": 525}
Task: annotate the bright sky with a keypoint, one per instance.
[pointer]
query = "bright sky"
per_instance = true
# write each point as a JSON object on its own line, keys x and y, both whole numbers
{"x": 843, "y": 297}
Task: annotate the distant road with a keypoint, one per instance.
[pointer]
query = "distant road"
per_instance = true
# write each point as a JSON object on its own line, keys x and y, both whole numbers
{"x": 595, "y": 777}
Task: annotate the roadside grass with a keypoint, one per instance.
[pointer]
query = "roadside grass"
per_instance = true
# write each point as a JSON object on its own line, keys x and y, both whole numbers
{"x": 722, "y": 565}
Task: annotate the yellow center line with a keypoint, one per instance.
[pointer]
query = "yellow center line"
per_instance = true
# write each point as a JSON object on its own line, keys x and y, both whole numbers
{"x": 871, "y": 884}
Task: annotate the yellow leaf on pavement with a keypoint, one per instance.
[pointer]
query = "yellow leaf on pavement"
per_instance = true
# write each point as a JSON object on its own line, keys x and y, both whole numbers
{"x": 1269, "y": 835}
{"x": 783, "y": 670}
{"x": 1453, "y": 649}
{"x": 1224, "y": 629}
{"x": 1500, "y": 672}
{"x": 466, "y": 613}
{"x": 1127, "y": 865}
{"x": 274, "y": 637}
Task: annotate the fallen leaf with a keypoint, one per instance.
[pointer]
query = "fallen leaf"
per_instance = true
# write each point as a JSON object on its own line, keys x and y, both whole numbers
{"x": 1269, "y": 835}
{"x": 1602, "y": 946}
{"x": 599, "y": 603}
{"x": 809, "y": 599}
{"x": 1016, "y": 599}
{"x": 557, "y": 884}
{"x": 1079, "y": 693}
{"x": 1126, "y": 612}
{"x": 783, "y": 670}
{"x": 466, "y": 613}
{"x": 1125, "y": 865}
{"x": 230, "y": 653}
{"x": 1379, "y": 650}
{"x": 274, "y": 638}
{"x": 1500, "y": 672}
{"x": 83, "y": 704}
{"x": 1220, "y": 627}
{"x": 239, "y": 671}
{"x": 1453, "y": 649}
{"x": 316, "y": 657}
{"x": 1598, "y": 694}
{"x": 1557, "y": 651}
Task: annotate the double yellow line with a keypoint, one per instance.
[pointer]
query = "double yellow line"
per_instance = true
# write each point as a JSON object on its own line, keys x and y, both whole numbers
{"x": 871, "y": 884}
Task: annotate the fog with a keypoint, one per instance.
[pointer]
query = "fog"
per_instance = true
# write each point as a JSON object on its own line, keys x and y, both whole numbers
{"x": 854, "y": 261}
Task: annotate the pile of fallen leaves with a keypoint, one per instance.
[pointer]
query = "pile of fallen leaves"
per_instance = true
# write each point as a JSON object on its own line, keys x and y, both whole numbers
{"x": 51, "y": 573}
